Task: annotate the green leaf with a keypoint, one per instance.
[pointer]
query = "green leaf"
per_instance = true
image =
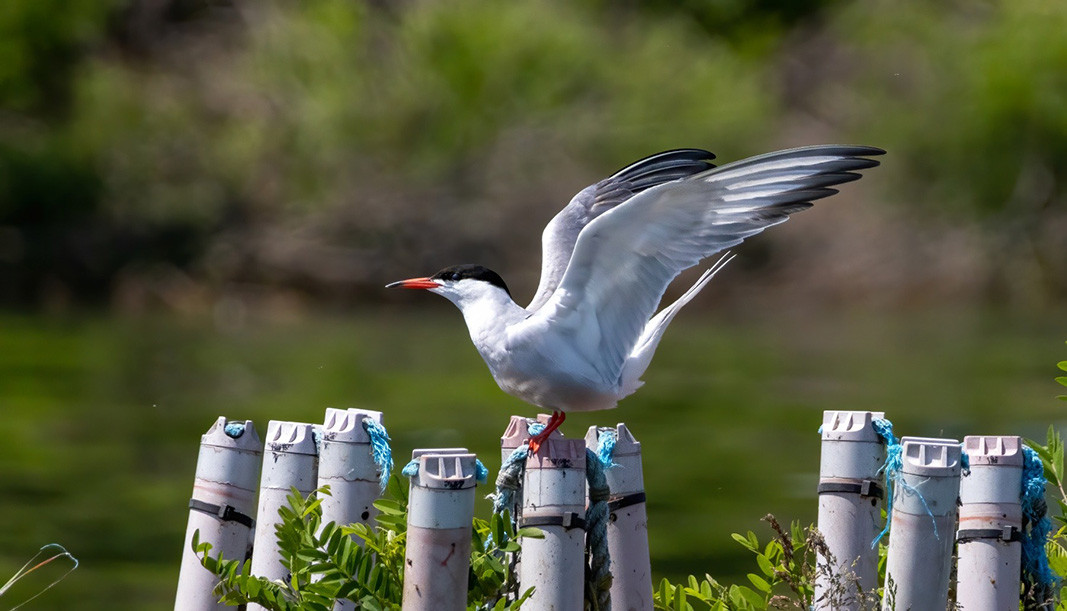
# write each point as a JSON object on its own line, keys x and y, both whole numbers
{"x": 389, "y": 507}
{"x": 765, "y": 565}
{"x": 680, "y": 603}
{"x": 752, "y": 598}
{"x": 745, "y": 541}
{"x": 760, "y": 583}
{"x": 530, "y": 532}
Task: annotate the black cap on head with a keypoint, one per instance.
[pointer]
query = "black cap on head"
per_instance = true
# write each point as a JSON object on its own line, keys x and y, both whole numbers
{"x": 474, "y": 272}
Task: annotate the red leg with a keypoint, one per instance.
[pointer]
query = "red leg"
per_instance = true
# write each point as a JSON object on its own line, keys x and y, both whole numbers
{"x": 553, "y": 423}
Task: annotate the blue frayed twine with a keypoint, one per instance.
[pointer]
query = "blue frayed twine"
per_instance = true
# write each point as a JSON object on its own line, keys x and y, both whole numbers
{"x": 1038, "y": 579}
{"x": 411, "y": 469}
{"x": 481, "y": 474}
{"x": 234, "y": 429}
{"x": 509, "y": 480}
{"x": 890, "y": 469}
{"x": 605, "y": 447}
{"x": 380, "y": 450}
{"x": 965, "y": 462}
{"x": 894, "y": 462}
{"x": 598, "y": 567}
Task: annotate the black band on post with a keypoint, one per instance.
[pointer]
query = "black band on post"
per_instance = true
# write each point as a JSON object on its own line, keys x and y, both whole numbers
{"x": 1008, "y": 534}
{"x": 226, "y": 513}
{"x": 616, "y": 503}
{"x": 867, "y": 487}
{"x": 568, "y": 520}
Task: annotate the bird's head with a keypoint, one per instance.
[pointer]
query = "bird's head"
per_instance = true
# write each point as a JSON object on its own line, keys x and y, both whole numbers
{"x": 459, "y": 283}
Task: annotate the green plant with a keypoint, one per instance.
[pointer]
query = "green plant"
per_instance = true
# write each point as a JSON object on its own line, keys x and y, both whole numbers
{"x": 1052, "y": 459}
{"x": 785, "y": 577}
{"x": 1052, "y": 455}
{"x": 363, "y": 564}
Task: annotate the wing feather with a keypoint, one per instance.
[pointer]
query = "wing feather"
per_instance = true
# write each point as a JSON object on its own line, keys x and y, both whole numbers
{"x": 561, "y": 233}
{"x": 624, "y": 258}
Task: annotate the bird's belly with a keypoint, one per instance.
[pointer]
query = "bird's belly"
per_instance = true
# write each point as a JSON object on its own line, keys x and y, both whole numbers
{"x": 555, "y": 388}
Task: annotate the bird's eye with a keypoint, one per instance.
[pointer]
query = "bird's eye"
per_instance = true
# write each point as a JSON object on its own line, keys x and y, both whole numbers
{"x": 453, "y": 276}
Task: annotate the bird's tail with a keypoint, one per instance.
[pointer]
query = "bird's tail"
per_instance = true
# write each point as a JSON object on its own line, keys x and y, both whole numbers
{"x": 641, "y": 355}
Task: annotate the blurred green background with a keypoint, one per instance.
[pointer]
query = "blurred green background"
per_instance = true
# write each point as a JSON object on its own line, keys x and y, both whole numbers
{"x": 201, "y": 201}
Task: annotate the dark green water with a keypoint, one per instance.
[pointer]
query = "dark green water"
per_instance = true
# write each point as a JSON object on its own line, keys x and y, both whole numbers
{"x": 101, "y": 417}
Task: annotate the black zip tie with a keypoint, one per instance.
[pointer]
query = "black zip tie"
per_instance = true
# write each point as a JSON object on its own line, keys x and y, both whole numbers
{"x": 867, "y": 487}
{"x": 226, "y": 513}
{"x": 619, "y": 502}
{"x": 1008, "y": 534}
{"x": 568, "y": 520}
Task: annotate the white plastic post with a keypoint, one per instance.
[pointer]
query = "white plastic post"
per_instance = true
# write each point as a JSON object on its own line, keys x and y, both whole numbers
{"x": 990, "y": 552}
{"x": 850, "y": 497}
{"x": 631, "y": 586}
{"x": 554, "y": 502}
{"x": 290, "y": 459}
{"x": 516, "y": 434}
{"x": 923, "y": 525}
{"x": 347, "y": 467}
{"x": 440, "y": 509}
{"x": 224, "y": 497}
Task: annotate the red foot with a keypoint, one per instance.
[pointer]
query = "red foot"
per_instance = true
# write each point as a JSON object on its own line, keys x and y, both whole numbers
{"x": 553, "y": 423}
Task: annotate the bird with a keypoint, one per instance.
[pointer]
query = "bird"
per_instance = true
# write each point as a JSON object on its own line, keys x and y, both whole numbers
{"x": 608, "y": 256}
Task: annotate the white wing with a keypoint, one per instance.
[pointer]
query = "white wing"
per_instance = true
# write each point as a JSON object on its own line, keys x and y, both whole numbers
{"x": 624, "y": 259}
{"x": 557, "y": 241}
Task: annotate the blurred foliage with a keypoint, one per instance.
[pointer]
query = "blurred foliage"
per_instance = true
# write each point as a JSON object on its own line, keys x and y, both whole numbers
{"x": 317, "y": 145}
{"x": 978, "y": 96}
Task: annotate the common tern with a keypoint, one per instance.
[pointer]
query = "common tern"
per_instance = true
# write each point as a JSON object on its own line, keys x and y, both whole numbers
{"x": 609, "y": 255}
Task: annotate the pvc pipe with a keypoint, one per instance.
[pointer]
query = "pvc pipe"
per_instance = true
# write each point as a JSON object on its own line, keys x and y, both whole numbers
{"x": 290, "y": 459}
{"x": 516, "y": 434}
{"x": 223, "y": 499}
{"x": 440, "y": 509}
{"x": 554, "y": 502}
{"x": 850, "y": 502}
{"x": 631, "y": 586}
{"x": 923, "y": 525}
{"x": 990, "y": 551}
{"x": 347, "y": 467}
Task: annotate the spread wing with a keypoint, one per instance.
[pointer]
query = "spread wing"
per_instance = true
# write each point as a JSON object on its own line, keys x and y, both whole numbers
{"x": 557, "y": 241}
{"x": 624, "y": 259}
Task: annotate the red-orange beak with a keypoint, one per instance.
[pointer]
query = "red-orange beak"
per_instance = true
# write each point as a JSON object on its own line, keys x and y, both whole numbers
{"x": 414, "y": 283}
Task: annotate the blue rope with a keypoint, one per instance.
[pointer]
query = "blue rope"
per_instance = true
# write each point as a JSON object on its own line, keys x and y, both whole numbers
{"x": 380, "y": 450}
{"x": 411, "y": 469}
{"x": 894, "y": 462}
{"x": 605, "y": 447}
{"x": 481, "y": 474}
{"x": 1038, "y": 577}
{"x": 509, "y": 480}
{"x": 890, "y": 469}
{"x": 234, "y": 429}
{"x": 598, "y": 567}
{"x": 965, "y": 462}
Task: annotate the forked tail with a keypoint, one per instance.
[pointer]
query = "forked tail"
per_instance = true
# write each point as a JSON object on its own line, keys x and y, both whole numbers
{"x": 641, "y": 355}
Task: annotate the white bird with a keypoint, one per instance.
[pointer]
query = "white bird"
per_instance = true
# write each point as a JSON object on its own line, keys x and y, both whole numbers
{"x": 609, "y": 255}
